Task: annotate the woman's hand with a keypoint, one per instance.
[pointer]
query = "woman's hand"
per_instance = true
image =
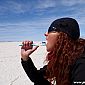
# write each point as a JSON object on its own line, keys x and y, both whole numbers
{"x": 27, "y": 49}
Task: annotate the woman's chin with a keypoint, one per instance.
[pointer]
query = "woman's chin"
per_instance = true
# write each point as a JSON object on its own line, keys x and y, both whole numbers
{"x": 49, "y": 49}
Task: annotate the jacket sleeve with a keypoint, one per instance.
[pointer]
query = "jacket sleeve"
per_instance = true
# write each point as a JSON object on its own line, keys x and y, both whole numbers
{"x": 78, "y": 72}
{"x": 36, "y": 76}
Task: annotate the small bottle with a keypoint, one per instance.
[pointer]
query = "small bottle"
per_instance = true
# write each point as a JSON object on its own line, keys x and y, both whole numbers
{"x": 37, "y": 44}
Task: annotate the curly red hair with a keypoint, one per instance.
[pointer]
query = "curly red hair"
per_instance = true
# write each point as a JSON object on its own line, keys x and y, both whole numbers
{"x": 59, "y": 61}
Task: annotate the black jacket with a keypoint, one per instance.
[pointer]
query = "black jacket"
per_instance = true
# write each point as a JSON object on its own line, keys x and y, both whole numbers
{"x": 77, "y": 72}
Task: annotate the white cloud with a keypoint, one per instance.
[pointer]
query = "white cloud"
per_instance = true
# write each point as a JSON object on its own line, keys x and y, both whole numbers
{"x": 72, "y": 2}
{"x": 14, "y": 7}
{"x": 38, "y": 24}
{"x": 43, "y": 4}
{"x": 17, "y": 7}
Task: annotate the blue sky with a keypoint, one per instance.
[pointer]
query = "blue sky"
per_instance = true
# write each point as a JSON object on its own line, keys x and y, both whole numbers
{"x": 29, "y": 19}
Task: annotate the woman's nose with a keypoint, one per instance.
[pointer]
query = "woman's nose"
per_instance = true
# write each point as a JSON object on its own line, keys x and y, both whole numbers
{"x": 46, "y": 34}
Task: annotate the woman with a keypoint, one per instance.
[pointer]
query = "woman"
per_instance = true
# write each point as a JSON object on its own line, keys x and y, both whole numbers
{"x": 66, "y": 55}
